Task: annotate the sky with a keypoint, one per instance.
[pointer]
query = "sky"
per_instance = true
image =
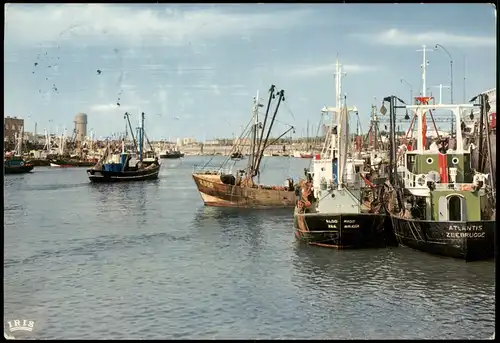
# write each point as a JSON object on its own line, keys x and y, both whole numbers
{"x": 195, "y": 69}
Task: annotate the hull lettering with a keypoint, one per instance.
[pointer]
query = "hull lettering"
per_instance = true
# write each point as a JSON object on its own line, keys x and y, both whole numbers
{"x": 465, "y": 228}
{"x": 206, "y": 184}
{"x": 465, "y": 235}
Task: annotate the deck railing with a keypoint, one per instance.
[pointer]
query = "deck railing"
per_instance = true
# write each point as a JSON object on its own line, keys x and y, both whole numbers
{"x": 415, "y": 181}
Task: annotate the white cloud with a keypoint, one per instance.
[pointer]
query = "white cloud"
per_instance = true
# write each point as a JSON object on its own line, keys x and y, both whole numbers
{"x": 109, "y": 108}
{"x": 161, "y": 25}
{"x": 329, "y": 69}
{"x": 398, "y": 37}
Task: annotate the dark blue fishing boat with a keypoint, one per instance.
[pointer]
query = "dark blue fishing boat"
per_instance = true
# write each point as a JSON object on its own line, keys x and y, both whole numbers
{"x": 120, "y": 168}
{"x": 16, "y": 165}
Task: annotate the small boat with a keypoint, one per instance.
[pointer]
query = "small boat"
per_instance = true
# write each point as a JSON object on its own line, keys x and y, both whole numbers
{"x": 441, "y": 204}
{"x": 306, "y": 155}
{"x": 70, "y": 163}
{"x": 339, "y": 207}
{"x": 56, "y": 165}
{"x": 16, "y": 165}
{"x": 220, "y": 187}
{"x": 172, "y": 154}
{"x": 117, "y": 168}
{"x": 237, "y": 155}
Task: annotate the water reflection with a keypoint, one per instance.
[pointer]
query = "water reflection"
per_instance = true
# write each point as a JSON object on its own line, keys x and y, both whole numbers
{"x": 130, "y": 198}
{"x": 233, "y": 226}
{"x": 420, "y": 285}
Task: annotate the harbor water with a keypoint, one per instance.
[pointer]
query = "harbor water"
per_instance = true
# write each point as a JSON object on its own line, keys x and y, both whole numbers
{"x": 147, "y": 260}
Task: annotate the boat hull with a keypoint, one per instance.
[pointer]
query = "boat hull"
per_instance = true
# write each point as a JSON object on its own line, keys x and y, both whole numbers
{"x": 344, "y": 231}
{"x": 470, "y": 241}
{"x": 127, "y": 176}
{"x": 27, "y": 168}
{"x": 70, "y": 164}
{"x": 55, "y": 165}
{"x": 169, "y": 156}
{"x": 215, "y": 193}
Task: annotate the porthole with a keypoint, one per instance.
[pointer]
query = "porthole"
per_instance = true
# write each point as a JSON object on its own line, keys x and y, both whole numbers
{"x": 429, "y": 160}
{"x": 454, "y": 160}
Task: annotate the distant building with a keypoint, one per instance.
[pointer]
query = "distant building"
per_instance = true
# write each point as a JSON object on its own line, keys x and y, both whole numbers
{"x": 11, "y": 127}
{"x": 187, "y": 141}
{"x": 81, "y": 126}
{"x": 242, "y": 141}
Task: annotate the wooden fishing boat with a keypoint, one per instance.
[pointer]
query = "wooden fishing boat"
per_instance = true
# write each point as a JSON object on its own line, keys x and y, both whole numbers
{"x": 117, "y": 167}
{"x": 339, "y": 206}
{"x": 440, "y": 205}
{"x": 219, "y": 186}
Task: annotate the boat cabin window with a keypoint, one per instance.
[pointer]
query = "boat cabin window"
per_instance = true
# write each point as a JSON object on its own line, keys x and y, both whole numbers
{"x": 455, "y": 208}
{"x": 410, "y": 161}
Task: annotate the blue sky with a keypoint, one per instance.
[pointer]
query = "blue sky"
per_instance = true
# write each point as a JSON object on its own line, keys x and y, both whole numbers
{"x": 194, "y": 70}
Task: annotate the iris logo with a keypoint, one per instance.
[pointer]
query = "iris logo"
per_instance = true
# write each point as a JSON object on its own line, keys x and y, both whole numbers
{"x": 21, "y": 325}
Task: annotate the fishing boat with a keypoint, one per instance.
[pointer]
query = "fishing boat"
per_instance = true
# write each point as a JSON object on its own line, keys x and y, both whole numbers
{"x": 14, "y": 163}
{"x": 340, "y": 203}
{"x": 171, "y": 154}
{"x": 219, "y": 186}
{"x": 118, "y": 167}
{"x": 440, "y": 204}
{"x": 59, "y": 163}
{"x": 237, "y": 155}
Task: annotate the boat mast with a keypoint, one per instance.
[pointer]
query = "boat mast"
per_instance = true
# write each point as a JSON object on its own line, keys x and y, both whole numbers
{"x": 343, "y": 141}
{"x": 256, "y": 106}
{"x": 307, "y": 135}
{"x": 281, "y": 97}
{"x": 375, "y": 127}
{"x": 141, "y": 137}
{"x": 259, "y": 152}
{"x": 338, "y": 104}
{"x": 19, "y": 142}
{"x": 422, "y": 120}
{"x": 271, "y": 97}
{"x": 131, "y": 131}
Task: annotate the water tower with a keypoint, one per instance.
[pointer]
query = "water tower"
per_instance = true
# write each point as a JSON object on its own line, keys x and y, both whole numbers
{"x": 81, "y": 126}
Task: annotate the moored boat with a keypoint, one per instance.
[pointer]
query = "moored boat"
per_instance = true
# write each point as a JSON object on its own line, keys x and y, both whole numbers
{"x": 172, "y": 154}
{"x": 237, "y": 155}
{"x": 306, "y": 155}
{"x": 70, "y": 163}
{"x": 440, "y": 204}
{"x": 221, "y": 187}
{"x": 340, "y": 207}
{"x": 16, "y": 165}
{"x": 117, "y": 168}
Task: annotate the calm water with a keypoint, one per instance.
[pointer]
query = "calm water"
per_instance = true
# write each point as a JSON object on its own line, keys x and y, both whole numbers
{"x": 149, "y": 261}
